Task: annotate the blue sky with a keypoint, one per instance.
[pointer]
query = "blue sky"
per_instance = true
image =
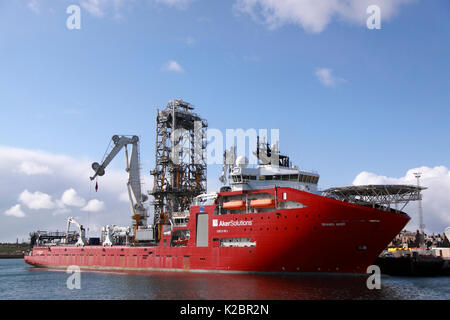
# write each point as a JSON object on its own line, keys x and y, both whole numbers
{"x": 387, "y": 111}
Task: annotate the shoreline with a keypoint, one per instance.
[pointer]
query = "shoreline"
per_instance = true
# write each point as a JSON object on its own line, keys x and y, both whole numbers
{"x": 11, "y": 256}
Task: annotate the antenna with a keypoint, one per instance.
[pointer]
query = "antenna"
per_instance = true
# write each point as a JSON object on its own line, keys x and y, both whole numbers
{"x": 421, "y": 224}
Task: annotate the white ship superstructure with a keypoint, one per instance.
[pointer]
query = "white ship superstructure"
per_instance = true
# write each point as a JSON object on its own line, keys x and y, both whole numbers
{"x": 267, "y": 174}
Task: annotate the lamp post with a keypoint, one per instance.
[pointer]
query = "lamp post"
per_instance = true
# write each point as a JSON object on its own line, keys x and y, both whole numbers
{"x": 421, "y": 224}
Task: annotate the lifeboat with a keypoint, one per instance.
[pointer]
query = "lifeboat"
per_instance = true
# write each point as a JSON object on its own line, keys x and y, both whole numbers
{"x": 234, "y": 205}
{"x": 263, "y": 203}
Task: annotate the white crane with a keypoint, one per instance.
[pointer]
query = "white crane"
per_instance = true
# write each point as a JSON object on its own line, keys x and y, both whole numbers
{"x": 81, "y": 232}
{"x": 110, "y": 232}
{"x": 447, "y": 233}
{"x": 137, "y": 199}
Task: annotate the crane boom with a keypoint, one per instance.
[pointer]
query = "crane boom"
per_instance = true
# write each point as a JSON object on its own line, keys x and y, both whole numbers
{"x": 82, "y": 232}
{"x": 134, "y": 181}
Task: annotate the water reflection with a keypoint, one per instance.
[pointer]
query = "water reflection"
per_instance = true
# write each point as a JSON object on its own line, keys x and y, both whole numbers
{"x": 18, "y": 281}
{"x": 258, "y": 287}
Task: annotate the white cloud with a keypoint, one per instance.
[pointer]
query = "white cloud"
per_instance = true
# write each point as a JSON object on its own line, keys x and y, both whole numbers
{"x": 50, "y": 191}
{"x": 71, "y": 198}
{"x": 173, "y": 66}
{"x": 252, "y": 58}
{"x": 37, "y": 200}
{"x": 124, "y": 197}
{"x": 190, "y": 41}
{"x": 327, "y": 78}
{"x": 314, "y": 15}
{"x": 180, "y": 4}
{"x": 436, "y": 200}
{"x": 34, "y": 6}
{"x": 101, "y": 8}
{"x": 15, "y": 211}
{"x": 96, "y": 7}
{"x": 61, "y": 210}
{"x": 31, "y": 168}
{"x": 94, "y": 205}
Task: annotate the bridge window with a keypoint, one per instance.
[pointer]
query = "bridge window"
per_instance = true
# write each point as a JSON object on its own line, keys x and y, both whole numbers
{"x": 293, "y": 177}
{"x": 237, "y": 178}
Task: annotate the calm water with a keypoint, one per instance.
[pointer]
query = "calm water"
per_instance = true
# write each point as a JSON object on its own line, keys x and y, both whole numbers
{"x": 18, "y": 281}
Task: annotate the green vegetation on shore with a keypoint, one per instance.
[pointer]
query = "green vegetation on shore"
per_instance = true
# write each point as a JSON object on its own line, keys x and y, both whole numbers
{"x": 13, "y": 249}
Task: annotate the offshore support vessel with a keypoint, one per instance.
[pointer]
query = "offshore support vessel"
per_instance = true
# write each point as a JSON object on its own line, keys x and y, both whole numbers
{"x": 270, "y": 218}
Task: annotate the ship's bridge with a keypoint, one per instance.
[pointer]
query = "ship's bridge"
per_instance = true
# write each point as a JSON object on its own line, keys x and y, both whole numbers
{"x": 273, "y": 170}
{"x": 268, "y": 176}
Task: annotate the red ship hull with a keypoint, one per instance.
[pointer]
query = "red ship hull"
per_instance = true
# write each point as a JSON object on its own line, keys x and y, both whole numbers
{"x": 326, "y": 235}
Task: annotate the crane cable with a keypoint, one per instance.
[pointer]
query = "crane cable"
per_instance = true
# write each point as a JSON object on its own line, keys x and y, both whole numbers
{"x": 106, "y": 151}
{"x": 96, "y": 179}
{"x": 96, "y": 185}
{"x": 89, "y": 199}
